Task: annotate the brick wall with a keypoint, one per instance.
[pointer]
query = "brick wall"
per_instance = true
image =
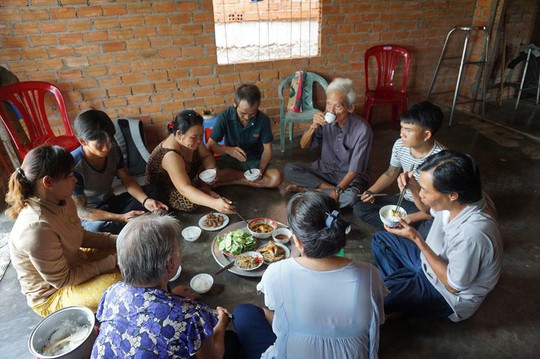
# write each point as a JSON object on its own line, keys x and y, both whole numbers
{"x": 245, "y": 10}
{"x": 151, "y": 59}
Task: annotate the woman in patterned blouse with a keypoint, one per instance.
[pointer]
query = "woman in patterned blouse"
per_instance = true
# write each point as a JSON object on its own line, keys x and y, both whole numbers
{"x": 139, "y": 317}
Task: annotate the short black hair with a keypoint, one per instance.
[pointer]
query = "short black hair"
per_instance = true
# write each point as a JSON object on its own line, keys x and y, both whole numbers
{"x": 307, "y": 213}
{"x": 249, "y": 93}
{"x": 455, "y": 172}
{"x": 94, "y": 125}
{"x": 184, "y": 121}
{"x": 424, "y": 114}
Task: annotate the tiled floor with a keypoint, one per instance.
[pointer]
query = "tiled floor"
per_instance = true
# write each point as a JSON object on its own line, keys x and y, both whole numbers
{"x": 507, "y": 324}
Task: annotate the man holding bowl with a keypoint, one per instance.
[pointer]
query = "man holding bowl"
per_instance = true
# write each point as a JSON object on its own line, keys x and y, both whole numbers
{"x": 345, "y": 141}
{"x": 247, "y": 151}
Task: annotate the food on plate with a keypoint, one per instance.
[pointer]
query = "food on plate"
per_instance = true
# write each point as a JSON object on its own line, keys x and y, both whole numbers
{"x": 272, "y": 252}
{"x": 261, "y": 228}
{"x": 212, "y": 220}
{"x": 236, "y": 242}
{"x": 247, "y": 261}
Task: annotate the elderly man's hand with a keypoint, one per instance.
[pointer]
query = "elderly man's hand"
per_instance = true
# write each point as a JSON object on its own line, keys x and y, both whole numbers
{"x": 318, "y": 120}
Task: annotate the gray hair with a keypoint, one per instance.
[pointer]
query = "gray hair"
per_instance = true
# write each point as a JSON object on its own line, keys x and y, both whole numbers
{"x": 344, "y": 86}
{"x": 144, "y": 246}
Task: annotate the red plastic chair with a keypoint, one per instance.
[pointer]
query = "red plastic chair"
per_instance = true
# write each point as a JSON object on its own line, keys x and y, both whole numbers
{"x": 27, "y": 101}
{"x": 386, "y": 90}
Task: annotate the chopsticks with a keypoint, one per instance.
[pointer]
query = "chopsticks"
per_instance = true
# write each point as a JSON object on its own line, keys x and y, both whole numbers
{"x": 374, "y": 195}
{"x": 242, "y": 218}
{"x": 402, "y": 193}
{"x": 247, "y": 166}
{"x": 225, "y": 268}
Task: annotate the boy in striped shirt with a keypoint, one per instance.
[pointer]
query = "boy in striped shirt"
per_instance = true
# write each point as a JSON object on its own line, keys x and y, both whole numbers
{"x": 417, "y": 142}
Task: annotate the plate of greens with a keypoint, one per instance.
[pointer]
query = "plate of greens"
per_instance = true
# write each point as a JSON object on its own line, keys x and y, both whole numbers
{"x": 236, "y": 242}
{"x": 224, "y": 257}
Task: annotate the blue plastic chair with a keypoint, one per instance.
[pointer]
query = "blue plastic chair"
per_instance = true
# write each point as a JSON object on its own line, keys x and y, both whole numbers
{"x": 290, "y": 117}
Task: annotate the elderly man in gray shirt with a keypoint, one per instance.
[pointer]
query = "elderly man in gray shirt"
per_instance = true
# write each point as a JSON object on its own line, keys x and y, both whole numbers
{"x": 345, "y": 141}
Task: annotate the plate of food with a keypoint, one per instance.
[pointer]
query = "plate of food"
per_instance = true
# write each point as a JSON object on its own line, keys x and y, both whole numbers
{"x": 223, "y": 260}
{"x": 236, "y": 242}
{"x": 274, "y": 252}
{"x": 248, "y": 261}
{"x": 213, "y": 221}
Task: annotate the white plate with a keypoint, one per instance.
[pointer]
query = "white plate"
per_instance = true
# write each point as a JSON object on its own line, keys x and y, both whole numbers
{"x": 223, "y": 225}
{"x": 285, "y": 249}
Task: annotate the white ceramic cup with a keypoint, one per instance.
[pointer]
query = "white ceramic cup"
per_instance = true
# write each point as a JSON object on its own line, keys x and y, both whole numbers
{"x": 329, "y": 117}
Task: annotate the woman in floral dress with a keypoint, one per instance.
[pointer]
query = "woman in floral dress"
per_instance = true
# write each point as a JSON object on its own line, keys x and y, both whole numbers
{"x": 139, "y": 317}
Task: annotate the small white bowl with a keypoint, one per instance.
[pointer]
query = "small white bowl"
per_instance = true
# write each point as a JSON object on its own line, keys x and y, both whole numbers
{"x": 282, "y": 232}
{"x": 263, "y": 235}
{"x": 388, "y": 219}
{"x": 253, "y": 174}
{"x": 209, "y": 175}
{"x": 202, "y": 283}
{"x": 191, "y": 233}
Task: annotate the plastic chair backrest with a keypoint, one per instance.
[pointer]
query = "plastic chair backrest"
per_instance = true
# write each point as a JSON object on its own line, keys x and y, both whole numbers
{"x": 387, "y": 57}
{"x": 307, "y": 89}
{"x": 27, "y": 100}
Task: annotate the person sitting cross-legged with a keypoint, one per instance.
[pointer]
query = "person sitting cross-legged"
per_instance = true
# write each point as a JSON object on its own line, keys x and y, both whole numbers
{"x": 174, "y": 164}
{"x": 345, "y": 144}
{"x": 140, "y": 318}
{"x": 248, "y": 141}
{"x": 58, "y": 263}
{"x": 449, "y": 273}
{"x": 417, "y": 142}
{"x": 319, "y": 305}
{"x": 97, "y": 161}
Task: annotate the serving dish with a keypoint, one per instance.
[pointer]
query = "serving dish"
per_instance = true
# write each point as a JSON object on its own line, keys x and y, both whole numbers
{"x": 223, "y": 260}
{"x": 223, "y": 225}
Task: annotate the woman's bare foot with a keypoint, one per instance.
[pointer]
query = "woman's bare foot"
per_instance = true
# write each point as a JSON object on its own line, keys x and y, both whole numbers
{"x": 295, "y": 188}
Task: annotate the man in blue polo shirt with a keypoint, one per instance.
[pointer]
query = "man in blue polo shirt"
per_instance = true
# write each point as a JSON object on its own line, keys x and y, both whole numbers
{"x": 248, "y": 141}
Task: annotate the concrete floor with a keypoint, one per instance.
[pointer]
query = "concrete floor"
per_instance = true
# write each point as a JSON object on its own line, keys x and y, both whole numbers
{"x": 505, "y": 326}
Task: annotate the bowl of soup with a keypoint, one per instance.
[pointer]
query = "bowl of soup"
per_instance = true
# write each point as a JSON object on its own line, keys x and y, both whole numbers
{"x": 261, "y": 227}
{"x": 282, "y": 235}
